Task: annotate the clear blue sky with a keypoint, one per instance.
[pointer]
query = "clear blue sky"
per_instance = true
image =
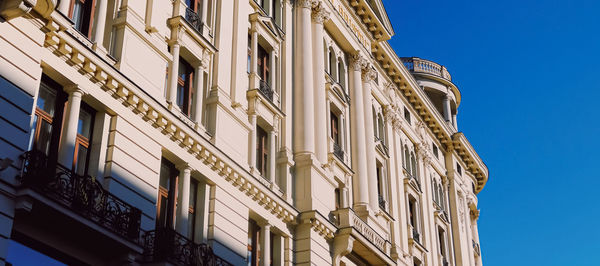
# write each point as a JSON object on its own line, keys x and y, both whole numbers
{"x": 528, "y": 72}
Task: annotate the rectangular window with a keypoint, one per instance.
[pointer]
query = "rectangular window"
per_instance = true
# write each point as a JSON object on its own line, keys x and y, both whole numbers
{"x": 458, "y": 169}
{"x": 192, "y": 209}
{"x": 253, "y": 243}
{"x": 83, "y": 140}
{"x": 263, "y": 64}
{"x": 435, "y": 150}
{"x": 338, "y": 199}
{"x": 407, "y": 115}
{"x": 82, "y": 15}
{"x": 381, "y": 187}
{"x": 262, "y": 150}
{"x": 249, "y": 60}
{"x": 47, "y": 121}
{"x": 185, "y": 87}
{"x": 165, "y": 208}
{"x": 335, "y": 125}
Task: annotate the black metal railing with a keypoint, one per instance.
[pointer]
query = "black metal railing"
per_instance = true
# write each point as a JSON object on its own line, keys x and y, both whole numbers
{"x": 416, "y": 235}
{"x": 338, "y": 152}
{"x": 382, "y": 203}
{"x": 476, "y": 247}
{"x": 164, "y": 245}
{"x": 194, "y": 19}
{"x": 265, "y": 89}
{"x": 81, "y": 194}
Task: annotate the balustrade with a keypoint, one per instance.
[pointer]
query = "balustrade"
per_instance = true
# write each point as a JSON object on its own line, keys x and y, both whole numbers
{"x": 418, "y": 65}
{"x": 266, "y": 90}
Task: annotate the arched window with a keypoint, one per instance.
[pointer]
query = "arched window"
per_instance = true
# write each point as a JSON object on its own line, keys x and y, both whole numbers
{"x": 332, "y": 64}
{"x": 413, "y": 162}
{"x": 380, "y": 125}
{"x": 341, "y": 73}
{"x": 406, "y": 159}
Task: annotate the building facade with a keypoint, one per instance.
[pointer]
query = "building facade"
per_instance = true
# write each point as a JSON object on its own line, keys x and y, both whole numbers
{"x": 228, "y": 132}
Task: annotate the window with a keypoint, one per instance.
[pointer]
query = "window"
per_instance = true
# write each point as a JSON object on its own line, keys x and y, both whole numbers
{"x": 406, "y": 115}
{"x": 192, "y": 209}
{"x": 338, "y": 199}
{"x": 253, "y": 243}
{"x": 332, "y": 63}
{"x": 406, "y": 159}
{"x": 335, "y": 128}
{"x": 195, "y": 5}
{"x": 413, "y": 220}
{"x": 435, "y": 150}
{"x": 249, "y": 60}
{"x": 262, "y": 151}
{"x": 380, "y": 128}
{"x": 413, "y": 168}
{"x": 381, "y": 187}
{"x": 185, "y": 87}
{"x": 263, "y": 63}
{"x": 458, "y": 169}
{"x": 47, "y": 121}
{"x": 442, "y": 242}
{"x": 83, "y": 140}
{"x": 82, "y": 14}
{"x": 341, "y": 73}
{"x": 165, "y": 208}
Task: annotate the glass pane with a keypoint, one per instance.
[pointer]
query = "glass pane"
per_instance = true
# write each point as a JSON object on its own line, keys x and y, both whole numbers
{"x": 85, "y": 123}
{"x": 77, "y": 15}
{"x": 162, "y": 211}
{"x": 193, "y": 192}
{"x": 45, "y": 134}
{"x": 32, "y": 134}
{"x": 46, "y": 99}
{"x": 81, "y": 159}
{"x": 165, "y": 175}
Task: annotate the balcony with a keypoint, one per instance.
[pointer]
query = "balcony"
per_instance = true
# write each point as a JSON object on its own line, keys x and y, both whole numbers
{"x": 193, "y": 19}
{"x": 338, "y": 152}
{"x": 346, "y": 218}
{"x": 476, "y": 248}
{"x": 265, "y": 90}
{"x": 80, "y": 194}
{"x": 418, "y": 65}
{"x": 166, "y": 245}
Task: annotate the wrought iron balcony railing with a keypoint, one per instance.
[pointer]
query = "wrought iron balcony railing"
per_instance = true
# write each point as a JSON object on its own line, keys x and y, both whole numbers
{"x": 81, "y": 194}
{"x": 193, "y": 19}
{"x": 338, "y": 152}
{"x": 166, "y": 245}
{"x": 265, "y": 89}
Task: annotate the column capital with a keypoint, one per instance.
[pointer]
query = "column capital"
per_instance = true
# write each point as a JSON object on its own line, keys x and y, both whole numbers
{"x": 368, "y": 74}
{"x": 357, "y": 62}
{"x": 320, "y": 14}
{"x": 205, "y": 60}
{"x": 304, "y": 3}
{"x": 184, "y": 167}
{"x": 74, "y": 90}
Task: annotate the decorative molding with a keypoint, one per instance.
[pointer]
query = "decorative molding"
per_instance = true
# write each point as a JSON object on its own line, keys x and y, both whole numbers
{"x": 320, "y": 14}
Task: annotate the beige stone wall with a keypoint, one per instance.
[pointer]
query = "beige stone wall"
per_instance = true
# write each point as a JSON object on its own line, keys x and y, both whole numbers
{"x": 129, "y": 80}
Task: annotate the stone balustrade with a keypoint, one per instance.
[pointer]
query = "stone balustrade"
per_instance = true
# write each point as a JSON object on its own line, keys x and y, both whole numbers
{"x": 418, "y": 65}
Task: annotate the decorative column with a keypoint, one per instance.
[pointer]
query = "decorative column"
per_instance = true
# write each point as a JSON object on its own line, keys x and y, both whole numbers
{"x": 446, "y": 106}
{"x": 272, "y": 156}
{"x": 100, "y": 24}
{"x": 254, "y": 78}
{"x": 369, "y": 75}
{"x": 66, "y": 151}
{"x": 319, "y": 16}
{"x": 303, "y": 89}
{"x": 183, "y": 200}
{"x": 252, "y": 159}
{"x": 359, "y": 150}
{"x": 173, "y": 73}
{"x": 265, "y": 244}
{"x": 454, "y": 122}
{"x": 272, "y": 70}
{"x": 199, "y": 95}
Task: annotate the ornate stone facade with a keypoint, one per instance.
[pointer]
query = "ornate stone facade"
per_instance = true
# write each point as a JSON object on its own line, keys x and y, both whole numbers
{"x": 270, "y": 132}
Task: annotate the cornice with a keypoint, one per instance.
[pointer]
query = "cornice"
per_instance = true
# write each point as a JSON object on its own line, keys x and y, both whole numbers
{"x": 150, "y": 111}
